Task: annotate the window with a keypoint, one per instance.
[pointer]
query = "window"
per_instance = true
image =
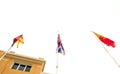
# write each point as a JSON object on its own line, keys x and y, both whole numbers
{"x": 15, "y": 66}
{"x": 28, "y": 68}
{"x": 21, "y": 67}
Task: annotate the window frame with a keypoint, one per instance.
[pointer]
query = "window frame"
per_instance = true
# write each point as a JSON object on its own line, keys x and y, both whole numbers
{"x": 25, "y": 68}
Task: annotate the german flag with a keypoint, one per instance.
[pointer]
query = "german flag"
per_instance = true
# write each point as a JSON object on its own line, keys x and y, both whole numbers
{"x": 19, "y": 39}
{"x": 105, "y": 40}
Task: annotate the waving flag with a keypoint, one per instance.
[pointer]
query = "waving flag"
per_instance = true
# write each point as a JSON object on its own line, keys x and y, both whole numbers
{"x": 60, "y": 48}
{"x": 19, "y": 39}
{"x": 105, "y": 40}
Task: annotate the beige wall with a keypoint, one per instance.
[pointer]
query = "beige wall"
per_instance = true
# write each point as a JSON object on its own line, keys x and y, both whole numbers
{"x": 7, "y": 62}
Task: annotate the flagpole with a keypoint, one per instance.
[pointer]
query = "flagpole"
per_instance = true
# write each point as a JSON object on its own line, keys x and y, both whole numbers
{"x": 109, "y": 54}
{"x": 56, "y": 63}
{"x": 57, "y": 56}
{"x": 111, "y": 57}
{"x": 5, "y": 53}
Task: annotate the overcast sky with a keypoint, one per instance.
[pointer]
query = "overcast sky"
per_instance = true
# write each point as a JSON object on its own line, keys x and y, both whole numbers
{"x": 41, "y": 20}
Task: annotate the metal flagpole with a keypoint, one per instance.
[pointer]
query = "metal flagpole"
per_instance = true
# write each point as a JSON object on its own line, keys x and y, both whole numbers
{"x": 14, "y": 41}
{"x": 5, "y": 53}
{"x": 56, "y": 63}
{"x": 57, "y": 54}
{"x": 109, "y": 54}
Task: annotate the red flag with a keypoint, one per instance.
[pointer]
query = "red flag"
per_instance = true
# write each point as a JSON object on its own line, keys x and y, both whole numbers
{"x": 18, "y": 39}
{"x": 105, "y": 40}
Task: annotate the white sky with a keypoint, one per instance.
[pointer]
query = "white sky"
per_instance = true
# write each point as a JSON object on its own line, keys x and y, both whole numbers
{"x": 40, "y": 20}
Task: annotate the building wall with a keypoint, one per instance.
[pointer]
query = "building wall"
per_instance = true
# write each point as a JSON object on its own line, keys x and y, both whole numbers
{"x": 6, "y": 66}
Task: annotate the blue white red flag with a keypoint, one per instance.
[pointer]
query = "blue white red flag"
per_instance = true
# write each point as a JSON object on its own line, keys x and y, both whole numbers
{"x": 60, "y": 48}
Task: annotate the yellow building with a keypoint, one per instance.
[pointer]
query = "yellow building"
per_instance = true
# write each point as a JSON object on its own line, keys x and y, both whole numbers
{"x": 19, "y": 64}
